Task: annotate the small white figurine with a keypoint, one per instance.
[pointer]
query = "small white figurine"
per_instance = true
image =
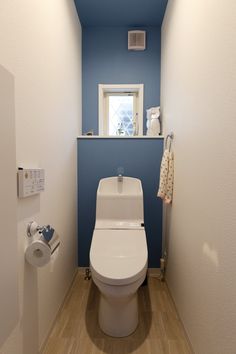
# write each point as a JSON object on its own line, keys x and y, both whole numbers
{"x": 153, "y": 121}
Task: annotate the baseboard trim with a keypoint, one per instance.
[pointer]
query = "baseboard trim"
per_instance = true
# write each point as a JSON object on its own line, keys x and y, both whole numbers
{"x": 176, "y": 309}
{"x": 153, "y": 272}
{"x": 81, "y": 270}
{"x": 42, "y": 347}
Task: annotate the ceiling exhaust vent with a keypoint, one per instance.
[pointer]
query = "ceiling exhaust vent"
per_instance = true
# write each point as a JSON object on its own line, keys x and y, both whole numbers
{"x": 136, "y": 40}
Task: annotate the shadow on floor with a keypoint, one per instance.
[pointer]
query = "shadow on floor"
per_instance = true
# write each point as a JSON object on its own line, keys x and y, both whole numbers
{"x": 112, "y": 345}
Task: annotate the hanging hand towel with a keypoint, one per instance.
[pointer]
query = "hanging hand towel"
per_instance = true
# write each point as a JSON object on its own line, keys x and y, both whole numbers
{"x": 163, "y": 175}
{"x": 165, "y": 190}
{"x": 170, "y": 180}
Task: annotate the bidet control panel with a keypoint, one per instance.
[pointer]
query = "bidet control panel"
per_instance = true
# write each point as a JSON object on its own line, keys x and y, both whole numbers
{"x": 30, "y": 181}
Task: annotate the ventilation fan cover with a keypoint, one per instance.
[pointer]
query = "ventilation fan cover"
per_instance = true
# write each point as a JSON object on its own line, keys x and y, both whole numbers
{"x": 136, "y": 40}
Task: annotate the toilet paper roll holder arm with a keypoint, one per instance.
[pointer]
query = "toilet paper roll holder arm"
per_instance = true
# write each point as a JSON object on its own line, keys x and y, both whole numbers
{"x": 33, "y": 228}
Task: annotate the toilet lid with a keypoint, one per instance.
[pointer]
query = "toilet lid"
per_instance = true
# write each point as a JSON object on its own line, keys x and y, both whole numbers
{"x": 118, "y": 257}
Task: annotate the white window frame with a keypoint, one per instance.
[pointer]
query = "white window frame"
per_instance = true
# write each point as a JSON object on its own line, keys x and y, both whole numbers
{"x": 103, "y": 89}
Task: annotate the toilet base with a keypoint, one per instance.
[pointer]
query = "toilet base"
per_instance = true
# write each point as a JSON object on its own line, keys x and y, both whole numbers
{"x": 118, "y": 317}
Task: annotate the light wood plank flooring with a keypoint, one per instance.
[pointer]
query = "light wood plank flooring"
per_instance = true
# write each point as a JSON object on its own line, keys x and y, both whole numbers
{"x": 76, "y": 330}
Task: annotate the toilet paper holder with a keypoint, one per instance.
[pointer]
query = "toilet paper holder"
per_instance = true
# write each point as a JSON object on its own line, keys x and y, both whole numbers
{"x": 46, "y": 232}
{"x": 33, "y": 228}
{"x": 40, "y": 249}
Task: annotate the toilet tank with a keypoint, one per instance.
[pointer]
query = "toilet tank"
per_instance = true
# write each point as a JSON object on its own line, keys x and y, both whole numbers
{"x": 119, "y": 202}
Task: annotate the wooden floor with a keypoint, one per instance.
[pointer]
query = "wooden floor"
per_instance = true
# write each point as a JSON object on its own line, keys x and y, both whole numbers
{"x": 76, "y": 330}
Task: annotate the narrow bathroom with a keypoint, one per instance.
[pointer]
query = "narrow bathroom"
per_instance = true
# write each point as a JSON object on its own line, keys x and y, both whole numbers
{"x": 101, "y": 250}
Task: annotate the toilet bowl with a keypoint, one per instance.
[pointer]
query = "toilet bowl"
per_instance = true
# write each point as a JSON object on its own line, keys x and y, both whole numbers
{"x": 118, "y": 253}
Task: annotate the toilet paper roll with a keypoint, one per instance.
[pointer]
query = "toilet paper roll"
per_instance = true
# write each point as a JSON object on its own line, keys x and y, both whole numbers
{"x": 38, "y": 253}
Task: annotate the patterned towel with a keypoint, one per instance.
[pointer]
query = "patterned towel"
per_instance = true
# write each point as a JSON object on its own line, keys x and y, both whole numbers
{"x": 165, "y": 190}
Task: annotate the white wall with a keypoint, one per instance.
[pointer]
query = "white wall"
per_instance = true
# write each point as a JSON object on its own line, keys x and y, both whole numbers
{"x": 40, "y": 45}
{"x": 8, "y": 228}
{"x": 198, "y": 99}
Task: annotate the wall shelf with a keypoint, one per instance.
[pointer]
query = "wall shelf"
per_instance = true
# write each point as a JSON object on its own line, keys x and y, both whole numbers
{"x": 119, "y": 137}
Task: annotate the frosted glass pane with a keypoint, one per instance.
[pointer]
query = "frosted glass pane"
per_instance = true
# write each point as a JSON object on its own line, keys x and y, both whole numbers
{"x": 120, "y": 115}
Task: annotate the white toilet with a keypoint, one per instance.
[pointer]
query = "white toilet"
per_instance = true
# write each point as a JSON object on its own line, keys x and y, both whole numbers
{"x": 118, "y": 253}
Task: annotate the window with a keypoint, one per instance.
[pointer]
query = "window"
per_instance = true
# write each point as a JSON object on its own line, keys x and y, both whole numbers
{"x": 120, "y": 110}
{"x": 120, "y": 113}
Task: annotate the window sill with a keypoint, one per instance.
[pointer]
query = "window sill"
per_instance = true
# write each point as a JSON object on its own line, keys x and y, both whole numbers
{"x": 120, "y": 137}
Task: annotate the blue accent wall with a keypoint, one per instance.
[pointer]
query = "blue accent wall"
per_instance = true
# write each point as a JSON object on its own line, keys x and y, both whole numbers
{"x": 106, "y": 60}
{"x": 101, "y": 157}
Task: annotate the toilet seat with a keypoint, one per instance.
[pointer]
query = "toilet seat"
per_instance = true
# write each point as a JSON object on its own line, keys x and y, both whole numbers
{"x": 118, "y": 256}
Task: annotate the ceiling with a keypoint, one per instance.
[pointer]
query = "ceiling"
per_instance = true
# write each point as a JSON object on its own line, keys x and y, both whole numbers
{"x": 132, "y": 13}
